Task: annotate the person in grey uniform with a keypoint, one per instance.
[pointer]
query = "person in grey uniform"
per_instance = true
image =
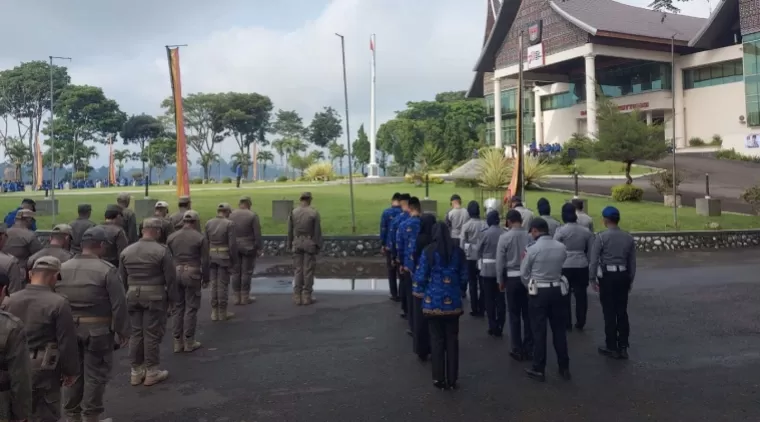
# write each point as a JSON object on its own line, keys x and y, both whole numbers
{"x": 544, "y": 209}
{"x": 509, "y": 253}
{"x": 15, "y": 367}
{"x": 578, "y": 240}
{"x": 221, "y": 238}
{"x": 21, "y": 242}
{"x": 516, "y": 204}
{"x": 249, "y": 245}
{"x": 60, "y": 242}
{"x": 99, "y": 307}
{"x": 611, "y": 271}
{"x": 472, "y": 231}
{"x": 129, "y": 219}
{"x": 583, "y": 219}
{"x": 541, "y": 272}
{"x": 496, "y": 308}
{"x": 455, "y": 219}
{"x": 80, "y": 225}
{"x": 9, "y": 266}
{"x": 305, "y": 241}
{"x": 117, "y": 239}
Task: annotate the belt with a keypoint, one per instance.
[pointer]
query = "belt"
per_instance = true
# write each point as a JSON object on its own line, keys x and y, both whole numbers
{"x": 147, "y": 288}
{"x": 303, "y": 237}
{"x": 92, "y": 320}
{"x": 513, "y": 273}
{"x": 187, "y": 266}
{"x": 222, "y": 249}
{"x": 615, "y": 268}
{"x": 544, "y": 285}
{"x": 488, "y": 261}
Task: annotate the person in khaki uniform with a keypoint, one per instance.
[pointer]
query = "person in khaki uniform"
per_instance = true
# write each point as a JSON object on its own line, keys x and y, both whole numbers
{"x": 15, "y": 367}
{"x": 248, "y": 232}
{"x": 129, "y": 219}
{"x": 9, "y": 266}
{"x": 60, "y": 242}
{"x": 80, "y": 225}
{"x": 117, "y": 240}
{"x": 305, "y": 241}
{"x": 99, "y": 306}
{"x": 190, "y": 251}
{"x": 177, "y": 219}
{"x": 148, "y": 270}
{"x": 21, "y": 241}
{"x": 221, "y": 237}
{"x": 161, "y": 210}
{"x": 51, "y": 338}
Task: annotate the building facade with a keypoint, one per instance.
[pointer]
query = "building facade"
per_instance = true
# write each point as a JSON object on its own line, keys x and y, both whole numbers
{"x": 697, "y": 77}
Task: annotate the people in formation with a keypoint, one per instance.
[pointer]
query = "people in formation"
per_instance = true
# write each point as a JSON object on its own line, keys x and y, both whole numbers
{"x": 249, "y": 246}
{"x": 494, "y": 295}
{"x": 386, "y": 220}
{"x": 472, "y": 231}
{"x": 304, "y": 241}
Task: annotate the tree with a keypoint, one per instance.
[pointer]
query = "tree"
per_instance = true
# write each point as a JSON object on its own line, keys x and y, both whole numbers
{"x": 279, "y": 147}
{"x": 121, "y": 156}
{"x": 451, "y": 96}
{"x": 301, "y": 162}
{"x": 666, "y": 5}
{"x": 289, "y": 126}
{"x": 141, "y": 131}
{"x": 246, "y": 116}
{"x": 402, "y": 138}
{"x": 360, "y": 149}
{"x": 382, "y": 162}
{"x": 337, "y": 152}
{"x": 325, "y": 127}
{"x": 264, "y": 157}
{"x": 160, "y": 153}
{"x": 68, "y": 152}
{"x": 243, "y": 159}
{"x": 626, "y": 137}
{"x": 19, "y": 155}
{"x": 206, "y": 160}
{"x": 317, "y": 155}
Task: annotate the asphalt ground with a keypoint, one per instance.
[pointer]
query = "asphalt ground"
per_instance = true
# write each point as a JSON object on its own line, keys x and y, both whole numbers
{"x": 695, "y": 356}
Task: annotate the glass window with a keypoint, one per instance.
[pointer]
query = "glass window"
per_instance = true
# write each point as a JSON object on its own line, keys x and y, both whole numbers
{"x": 751, "y": 49}
{"x": 715, "y": 74}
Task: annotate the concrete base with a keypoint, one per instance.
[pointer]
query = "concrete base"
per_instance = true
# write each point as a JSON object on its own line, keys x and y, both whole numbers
{"x": 708, "y": 207}
{"x": 46, "y": 206}
{"x": 585, "y": 203}
{"x": 373, "y": 170}
{"x": 429, "y": 205}
{"x": 144, "y": 208}
{"x": 668, "y": 201}
{"x": 281, "y": 209}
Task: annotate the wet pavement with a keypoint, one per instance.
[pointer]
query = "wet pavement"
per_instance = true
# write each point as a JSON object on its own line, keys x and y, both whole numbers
{"x": 695, "y": 356}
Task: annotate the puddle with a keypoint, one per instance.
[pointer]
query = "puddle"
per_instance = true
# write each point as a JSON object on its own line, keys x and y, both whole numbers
{"x": 328, "y": 285}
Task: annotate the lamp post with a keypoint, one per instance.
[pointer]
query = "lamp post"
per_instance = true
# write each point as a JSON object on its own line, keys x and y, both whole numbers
{"x": 673, "y": 111}
{"x": 52, "y": 135}
{"x": 348, "y": 135}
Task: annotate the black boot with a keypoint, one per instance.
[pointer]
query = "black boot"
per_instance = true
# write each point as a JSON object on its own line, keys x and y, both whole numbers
{"x": 610, "y": 353}
{"x": 565, "y": 374}
{"x": 623, "y": 353}
{"x": 538, "y": 376}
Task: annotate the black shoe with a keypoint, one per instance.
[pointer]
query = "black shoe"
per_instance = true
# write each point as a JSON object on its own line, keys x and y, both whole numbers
{"x": 402, "y": 315}
{"x": 474, "y": 314}
{"x": 490, "y": 332}
{"x": 516, "y": 355}
{"x": 564, "y": 373}
{"x": 452, "y": 386}
{"x": 410, "y": 333}
{"x": 423, "y": 358}
{"x": 569, "y": 328}
{"x": 439, "y": 385}
{"x": 395, "y": 298}
{"x": 610, "y": 353}
{"x": 498, "y": 333}
{"x": 528, "y": 354}
{"x": 538, "y": 376}
{"x": 579, "y": 327}
{"x": 623, "y": 353}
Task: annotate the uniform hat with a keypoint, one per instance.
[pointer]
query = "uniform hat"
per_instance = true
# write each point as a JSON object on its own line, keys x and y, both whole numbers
{"x": 49, "y": 263}
{"x": 83, "y": 208}
{"x": 610, "y": 212}
{"x": 455, "y": 197}
{"x": 245, "y": 199}
{"x": 152, "y": 223}
{"x": 114, "y": 207}
{"x": 24, "y": 213}
{"x": 306, "y": 196}
{"x": 184, "y": 200}
{"x": 190, "y": 216}
{"x": 94, "y": 234}
{"x": 161, "y": 204}
{"x": 224, "y": 207}
{"x": 63, "y": 229}
{"x": 124, "y": 197}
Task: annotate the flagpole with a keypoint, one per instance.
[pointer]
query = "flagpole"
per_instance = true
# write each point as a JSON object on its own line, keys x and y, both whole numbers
{"x": 372, "y": 168}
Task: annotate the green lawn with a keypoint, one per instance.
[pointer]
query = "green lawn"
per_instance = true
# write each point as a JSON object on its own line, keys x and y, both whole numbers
{"x": 591, "y": 167}
{"x": 333, "y": 203}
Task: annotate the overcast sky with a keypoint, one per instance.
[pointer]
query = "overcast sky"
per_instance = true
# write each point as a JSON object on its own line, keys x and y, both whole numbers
{"x": 285, "y": 49}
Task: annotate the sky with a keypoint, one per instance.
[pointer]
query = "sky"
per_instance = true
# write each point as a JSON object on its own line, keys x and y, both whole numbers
{"x": 286, "y": 49}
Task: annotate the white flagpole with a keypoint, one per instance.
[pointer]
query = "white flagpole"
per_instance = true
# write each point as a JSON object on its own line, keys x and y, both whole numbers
{"x": 372, "y": 170}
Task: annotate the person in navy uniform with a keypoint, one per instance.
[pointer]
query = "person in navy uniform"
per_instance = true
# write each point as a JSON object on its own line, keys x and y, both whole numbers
{"x": 403, "y": 203}
{"x": 578, "y": 240}
{"x": 612, "y": 269}
{"x": 26, "y": 204}
{"x": 389, "y": 214}
{"x": 406, "y": 236}
{"x": 541, "y": 272}
{"x": 421, "y": 332}
{"x": 439, "y": 276}
{"x": 496, "y": 307}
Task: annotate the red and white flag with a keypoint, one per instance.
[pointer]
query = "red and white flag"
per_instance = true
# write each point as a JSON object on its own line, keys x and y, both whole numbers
{"x": 371, "y": 44}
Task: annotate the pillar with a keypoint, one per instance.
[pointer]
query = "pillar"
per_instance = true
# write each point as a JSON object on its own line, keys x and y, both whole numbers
{"x": 497, "y": 112}
{"x": 539, "y": 116}
{"x": 649, "y": 118}
{"x": 591, "y": 95}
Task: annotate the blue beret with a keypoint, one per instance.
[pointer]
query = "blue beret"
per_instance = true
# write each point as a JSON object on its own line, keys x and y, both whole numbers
{"x": 610, "y": 212}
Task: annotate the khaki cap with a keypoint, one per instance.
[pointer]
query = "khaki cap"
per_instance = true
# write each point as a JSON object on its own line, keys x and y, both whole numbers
{"x": 114, "y": 207}
{"x": 161, "y": 204}
{"x": 49, "y": 263}
{"x": 184, "y": 200}
{"x": 152, "y": 223}
{"x": 305, "y": 196}
{"x": 63, "y": 228}
{"x": 224, "y": 207}
{"x": 95, "y": 234}
{"x": 82, "y": 208}
{"x": 124, "y": 197}
{"x": 190, "y": 216}
{"x": 25, "y": 213}
{"x": 246, "y": 199}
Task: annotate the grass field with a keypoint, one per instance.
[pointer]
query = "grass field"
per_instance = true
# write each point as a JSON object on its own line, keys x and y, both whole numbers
{"x": 591, "y": 167}
{"x": 333, "y": 203}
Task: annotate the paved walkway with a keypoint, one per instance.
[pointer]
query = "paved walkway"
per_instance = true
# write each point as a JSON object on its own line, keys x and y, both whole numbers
{"x": 694, "y": 357}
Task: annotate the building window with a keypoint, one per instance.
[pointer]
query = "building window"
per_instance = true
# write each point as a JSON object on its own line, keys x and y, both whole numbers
{"x": 752, "y": 79}
{"x": 634, "y": 79}
{"x": 489, "y": 105}
{"x": 714, "y": 74}
{"x": 562, "y": 100}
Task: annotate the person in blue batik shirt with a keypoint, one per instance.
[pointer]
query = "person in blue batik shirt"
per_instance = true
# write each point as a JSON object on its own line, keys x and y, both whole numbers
{"x": 27, "y": 204}
{"x": 389, "y": 214}
{"x": 403, "y": 203}
{"x": 421, "y": 332}
{"x": 440, "y": 273}
{"x": 406, "y": 237}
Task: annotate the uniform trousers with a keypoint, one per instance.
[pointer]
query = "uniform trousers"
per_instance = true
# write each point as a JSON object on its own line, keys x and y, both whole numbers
{"x": 392, "y": 276}
{"x": 406, "y": 276}
{"x": 148, "y": 320}
{"x": 304, "y": 265}
{"x": 496, "y": 306}
{"x": 548, "y": 306}
{"x": 520, "y": 330}
{"x": 242, "y": 272}
{"x": 46, "y": 396}
{"x": 444, "y": 342}
{"x": 613, "y": 293}
{"x": 421, "y": 343}
{"x": 477, "y": 296}
{"x": 185, "y": 311}
{"x": 220, "y": 285}
{"x": 85, "y": 397}
{"x": 402, "y": 289}
{"x": 577, "y": 279}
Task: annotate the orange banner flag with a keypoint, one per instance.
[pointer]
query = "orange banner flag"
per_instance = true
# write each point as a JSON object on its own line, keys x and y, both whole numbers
{"x": 38, "y": 171}
{"x": 111, "y": 164}
{"x": 183, "y": 184}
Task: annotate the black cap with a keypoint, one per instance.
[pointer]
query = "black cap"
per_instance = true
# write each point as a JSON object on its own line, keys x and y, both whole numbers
{"x": 28, "y": 201}
{"x": 539, "y": 224}
{"x": 84, "y": 208}
{"x": 396, "y": 196}
{"x": 514, "y": 216}
{"x": 405, "y": 197}
{"x": 94, "y": 234}
{"x": 112, "y": 212}
{"x": 414, "y": 202}
{"x": 578, "y": 204}
{"x": 456, "y": 197}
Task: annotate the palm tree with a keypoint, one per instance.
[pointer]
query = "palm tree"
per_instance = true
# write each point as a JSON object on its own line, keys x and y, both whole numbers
{"x": 121, "y": 156}
{"x": 279, "y": 146}
{"x": 317, "y": 155}
{"x": 264, "y": 157}
{"x": 337, "y": 152}
{"x": 244, "y": 160}
{"x": 19, "y": 155}
{"x": 292, "y": 147}
{"x": 82, "y": 156}
{"x": 205, "y": 161}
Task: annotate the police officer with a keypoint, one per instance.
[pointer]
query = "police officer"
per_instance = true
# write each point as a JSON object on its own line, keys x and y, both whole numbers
{"x": 403, "y": 202}
{"x": 583, "y": 218}
{"x": 177, "y": 219}
{"x": 117, "y": 240}
{"x": 305, "y": 240}
{"x": 189, "y": 249}
{"x": 80, "y": 225}
{"x": 541, "y": 272}
{"x": 51, "y": 336}
{"x": 149, "y": 272}
{"x": 129, "y": 219}
{"x": 248, "y": 234}
{"x": 487, "y": 255}
{"x": 579, "y": 241}
{"x": 221, "y": 236}
{"x": 161, "y": 211}
{"x": 611, "y": 271}
{"x": 509, "y": 253}
{"x": 472, "y": 231}
{"x": 98, "y": 304}
{"x": 21, "y": 241}
{"x": 515, "y": 203}
{"x": 60, "y": 242}
{"x": 544, "y": 209}
{"x": 9, "y": 266}
{"x": 15, "y": 368}
{"x": 386, "y": 219}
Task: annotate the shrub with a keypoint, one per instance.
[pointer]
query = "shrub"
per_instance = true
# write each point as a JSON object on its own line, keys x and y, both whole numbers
{"x": 662, "y": 182}
{"x": 466, "y": 183}
{"x": 752, "y": 197}
{"x": 731, "y": 154}
{"x": 168, "y": 181}
{"x": 494, "y": 169}
{"x": 281, "y": 179}
{"x": 582, "y": 144}
{"x": 625, "y": 193}
{"x": 696, "y": 142}
{"x": 535, "y": 171}
{"x": 226, "y": 179}
{"x": 319, "y": 172}
{"x": 137, "y": 176}
{"x": 716, "y": 140}
{"x": 419, "y": 179}
{"x": 196, "y": 181}
{"x": 80, "y": 175}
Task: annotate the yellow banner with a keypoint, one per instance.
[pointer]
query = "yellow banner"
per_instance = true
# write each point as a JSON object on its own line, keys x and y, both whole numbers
{"x": 183, "y": 184}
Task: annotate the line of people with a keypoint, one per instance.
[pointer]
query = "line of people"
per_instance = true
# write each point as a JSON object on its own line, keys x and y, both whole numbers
{"x": 529, "y": 270}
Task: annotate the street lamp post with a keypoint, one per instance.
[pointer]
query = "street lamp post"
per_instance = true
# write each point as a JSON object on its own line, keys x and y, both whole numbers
{"x": 673, "y": 141}
{"x": 52, "y": 135}
{"x": 348, "y": 135}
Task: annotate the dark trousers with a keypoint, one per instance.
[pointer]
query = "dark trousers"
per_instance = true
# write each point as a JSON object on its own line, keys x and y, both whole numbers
{"x": 549, "y": 306}
{"x": 444, "y": 342}
{"x": 496, "y": 306}
{"x": 421, "y": 331}
{"x": 477, "y": 297}
{"x": 577, "y": 278}
{"x": 392, "y": 276}
{"x": 401, "y": 289}
{"x": 238, "y": 181}
{"x": 407, "y": 292}
{"x": 613, "y": 293}
{"x": 520, "y": 331}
